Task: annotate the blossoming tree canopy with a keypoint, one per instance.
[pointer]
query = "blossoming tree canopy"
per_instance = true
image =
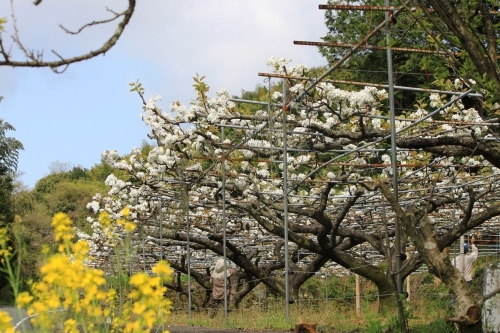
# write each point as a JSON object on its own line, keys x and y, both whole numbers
{"x": 219, "y": 168}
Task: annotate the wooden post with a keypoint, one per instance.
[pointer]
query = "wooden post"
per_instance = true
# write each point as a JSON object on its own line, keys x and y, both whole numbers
{"x": 408, "y": 287}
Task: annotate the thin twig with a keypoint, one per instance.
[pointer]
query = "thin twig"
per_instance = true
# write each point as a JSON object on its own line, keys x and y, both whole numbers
{"x": 37, "y": 60}
{"x": 89, "y": 25}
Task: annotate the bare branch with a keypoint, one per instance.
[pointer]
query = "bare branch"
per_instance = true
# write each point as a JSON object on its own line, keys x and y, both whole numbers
{"x": 117, "y": 15}
{"x": 36, "y": 60}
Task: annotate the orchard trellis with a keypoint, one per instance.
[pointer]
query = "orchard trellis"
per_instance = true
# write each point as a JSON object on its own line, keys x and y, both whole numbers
{"x": 302, "y": 176}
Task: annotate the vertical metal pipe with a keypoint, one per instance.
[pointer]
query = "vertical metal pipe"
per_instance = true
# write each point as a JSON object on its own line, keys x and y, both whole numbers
{"x": 454, "y": 244}
{"x": 326, "y": 290}
{"x": 285, "y": 201}
{"x": 408, "y": 281}
{"x": 188, "y": 254}
{"x": 397, "y": 236}
{"x": 358, "y": 287}
{"x": 462, "y": 254}
{"x": 143, "y": 259}
{"x": 298, "y": 291}
{"x": 223, "y": 129}
{"x": 358, "y": 295}
{"x": 161, "y": 229}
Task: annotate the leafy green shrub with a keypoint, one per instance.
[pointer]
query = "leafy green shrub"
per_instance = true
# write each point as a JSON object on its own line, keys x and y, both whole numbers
{"x": 374, "y": 324}
{"x": 428, "y": 278}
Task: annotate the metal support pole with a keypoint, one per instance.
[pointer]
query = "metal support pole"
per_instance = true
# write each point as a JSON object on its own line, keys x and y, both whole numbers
{"x": 326, "y": 290}
{"x": 223, "y": 129}
{"x": 358, "y": 295}
{"x": 298, "y": 291}
{"x": 161, "y": 229}
{"x": 285, "y": 202}
{"x": 462, "y": 254}
{"x": 408, "y": 282}
{"x": 397, "y": 235}
{"x": 353, "y": 7}
{"x": 188, "y": 253}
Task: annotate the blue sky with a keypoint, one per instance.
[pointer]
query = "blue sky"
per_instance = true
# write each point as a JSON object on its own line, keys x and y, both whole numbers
{"x": 73, "y": 117}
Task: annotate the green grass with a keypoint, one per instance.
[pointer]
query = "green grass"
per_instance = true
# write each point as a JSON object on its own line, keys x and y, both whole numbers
{"x": 425, "y": 312}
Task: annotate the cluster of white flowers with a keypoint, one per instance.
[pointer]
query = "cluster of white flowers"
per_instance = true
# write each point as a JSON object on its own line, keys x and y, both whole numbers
{"x": 298, "y": 70}
{"x": 277, "y": 96}
{"x": 264, "y": 173}
{"x": 181, "y": 150}
{"x": 475, "y": 161}
{"x": 186, "y": 115}
{"x": 254, "y": 143}
{"x": 418, "y": 114}
{"x": 297, "y": 88}
{"x": 115, "y": 184}
{"x": 436, "y": 101}
{"x": 303, "y": 159}
{"x": 276, "y": 64}
{"x": 94, "y": 205}
{"x": 151, "y": 103}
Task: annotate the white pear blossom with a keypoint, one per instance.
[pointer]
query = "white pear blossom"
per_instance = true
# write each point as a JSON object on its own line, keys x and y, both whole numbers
{"x": 276, "y": 64}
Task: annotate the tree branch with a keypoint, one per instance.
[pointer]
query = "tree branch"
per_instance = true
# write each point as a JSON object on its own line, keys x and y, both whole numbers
{"x": 36, "y": 60}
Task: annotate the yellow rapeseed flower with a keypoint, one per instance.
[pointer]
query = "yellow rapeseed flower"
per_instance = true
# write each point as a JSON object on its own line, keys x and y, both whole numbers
{"x": 37, "y": 307}
{"x": 40, "y": 287}
{"x": 150, "y": 318}
{"x": 3, "y": 237}
{"x": 71, "y": 326}
{"x": 54, "y": 267}
{"x": 125, "y": 211}
{"x": 139, "y": 308}
{"x": 53, "y": 302}
{"x": 5, "y": 250}
{"x": 162, "y": 268}
{"x": 6, "y": 323}
{"x": 81, "y": 248}
{"x": 130, "y": 226}
{"x": 23, "y": 300}
{"x": 138, "y": 279}
{"x": 63, "y": 229}
{"x": 132, "y": 327}
{"x": 45, "y": 249}
{"x": 105, "y": 220}
{"x": 67, "y": 282}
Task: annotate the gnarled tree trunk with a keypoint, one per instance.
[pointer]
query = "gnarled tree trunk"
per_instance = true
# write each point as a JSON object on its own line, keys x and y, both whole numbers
{"x": 467, "y": 311}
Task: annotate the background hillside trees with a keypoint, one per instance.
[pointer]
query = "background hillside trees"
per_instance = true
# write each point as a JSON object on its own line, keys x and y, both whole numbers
{"x": 65, "y": 190}
{"x": 9, "y": 154}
